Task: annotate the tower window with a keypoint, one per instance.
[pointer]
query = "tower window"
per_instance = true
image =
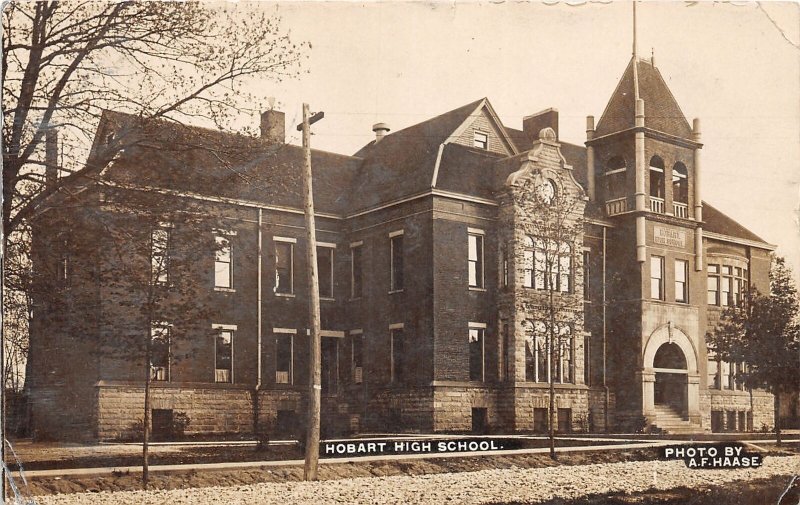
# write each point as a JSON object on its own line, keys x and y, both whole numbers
{"x": 680, "y": 183}
{"x": 657, "y": 277}
{"x": 615, "y": 178}
{"x": 657, "y": 177}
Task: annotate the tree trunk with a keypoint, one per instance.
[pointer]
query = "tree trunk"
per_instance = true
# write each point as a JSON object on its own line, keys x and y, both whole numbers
{"x": 777, "y": 397}
{"x": 551, "y": 348}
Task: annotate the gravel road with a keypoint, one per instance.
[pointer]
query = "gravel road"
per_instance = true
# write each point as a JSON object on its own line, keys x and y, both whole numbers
{"x": 458, "y": 488}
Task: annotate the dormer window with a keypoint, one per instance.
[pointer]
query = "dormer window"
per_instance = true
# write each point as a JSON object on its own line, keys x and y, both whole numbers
{"x": 480, "y": 140}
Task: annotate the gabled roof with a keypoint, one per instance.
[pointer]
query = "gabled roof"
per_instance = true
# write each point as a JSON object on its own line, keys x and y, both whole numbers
{"x": 717, "y": 222}
{"x": 209, "y": 162}
{"x": 403, "y": 162}
{"x": 661, "y": 110}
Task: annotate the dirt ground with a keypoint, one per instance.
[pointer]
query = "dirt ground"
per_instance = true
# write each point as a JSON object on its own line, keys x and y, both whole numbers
{"x": 182, "y": 480}
{"x": 752, "y": 492}
{"x": 206, "y": 478}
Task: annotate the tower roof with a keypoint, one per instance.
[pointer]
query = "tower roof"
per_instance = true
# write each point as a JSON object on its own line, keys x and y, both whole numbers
{"x": 661, "y": 110}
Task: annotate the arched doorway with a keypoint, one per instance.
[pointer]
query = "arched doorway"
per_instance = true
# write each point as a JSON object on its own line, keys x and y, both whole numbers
{"x": 669, "y": 366}
{"x": 671, "y": 374}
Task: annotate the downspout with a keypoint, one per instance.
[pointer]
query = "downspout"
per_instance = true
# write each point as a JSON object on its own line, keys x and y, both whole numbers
{"x": 698, "y": 200}
{"x": 605, "y": 382}
{"x": 257, "y": 389}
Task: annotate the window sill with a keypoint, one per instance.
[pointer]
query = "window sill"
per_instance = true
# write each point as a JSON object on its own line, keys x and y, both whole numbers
{"x": 391, "y": 292}
{"x": 326, "y": 299}
{"x": 285, "y": 295}
{"x": 224, "y": 290}
{"x": 477, "y": 289}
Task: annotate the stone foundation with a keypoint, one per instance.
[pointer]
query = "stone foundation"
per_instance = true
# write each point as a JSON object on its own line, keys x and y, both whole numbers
{"x": 722, "y": 411}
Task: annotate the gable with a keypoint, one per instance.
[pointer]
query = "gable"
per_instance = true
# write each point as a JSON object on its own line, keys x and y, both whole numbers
{"x": 482, "y": 123}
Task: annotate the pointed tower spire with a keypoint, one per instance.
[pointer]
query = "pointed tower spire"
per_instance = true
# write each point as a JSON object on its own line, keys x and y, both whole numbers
{"x": 635, "y": 58}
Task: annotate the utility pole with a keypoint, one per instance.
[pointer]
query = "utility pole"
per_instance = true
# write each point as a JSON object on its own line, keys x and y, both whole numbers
{"x": 315, "y": 384}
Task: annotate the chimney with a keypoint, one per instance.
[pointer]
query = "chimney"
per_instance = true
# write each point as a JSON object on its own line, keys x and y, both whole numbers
{"x": 51, "y": 158}
{"x": 380, "y": 129}
{"x": 273, "y": 126}
{"x": 534, "y": 123}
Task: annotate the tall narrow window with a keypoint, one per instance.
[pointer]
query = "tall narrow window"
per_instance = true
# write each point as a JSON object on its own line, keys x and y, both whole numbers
{"x": 476, "y": 352}
{"x": 713, "y": 284}
{"x": 325, "y": 270}
{"x": 727, "y": 282}
{"x": 223, "y": 356}
{"x": 536, "y": 352}
{"x": 528, "y": 253}
{"x": 284, "y": 267}
{"x": 586, "y": 274}
{"x": 681, "y": 281}
{"x": 480, "y": 140}
{"x": 656, "y": 177}
{"x": 397, "y": 347}
{"x": 504, "y": 267}
{"x": 356, "y": 270}
{"x": 657, "y": 277}
{"x": 564, "y": 268}
{"x": 159, "y": 257}
{"x": 284, "y": 351}
{"x": 330, "y": 364}
{"x": 475, "y": 260}
{"x": 565, "y": 354}
{"x": 159, "y": 352}
{"x": 357, "y": 340}
{"x": 396, "y": 261}
{"x": 223, "y": 263}
{"x": 540, "y": 267}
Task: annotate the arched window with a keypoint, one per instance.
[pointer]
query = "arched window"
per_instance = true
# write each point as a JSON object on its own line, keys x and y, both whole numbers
{"x": 536, "y": 352}
{"x": 615, "y": 178}
{"x": 680, "y": 183}
{"x": 656, "y": 177}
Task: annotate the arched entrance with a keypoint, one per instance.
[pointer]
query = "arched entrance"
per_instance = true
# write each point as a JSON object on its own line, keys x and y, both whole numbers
{"x": 669, "y": 374}
{"x": 671, "y": 377}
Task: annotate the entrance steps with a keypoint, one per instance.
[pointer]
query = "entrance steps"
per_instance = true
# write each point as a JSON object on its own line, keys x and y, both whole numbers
{"x": 670, "y": 420}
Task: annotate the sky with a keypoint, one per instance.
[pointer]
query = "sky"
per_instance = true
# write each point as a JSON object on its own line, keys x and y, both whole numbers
{"x": 736, "y": 67}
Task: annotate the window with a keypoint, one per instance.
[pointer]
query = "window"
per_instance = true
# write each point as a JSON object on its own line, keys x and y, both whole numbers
{"x": 504, "y": 267}
{"x": 615, "y": 178}
{"x": 657, "y": 177}
{"x": 480, "y": 140}
{"x": 552, "y": 260}
{"x": 397, "y": 364}
{"x": 284, "y": 358}
{"x": 586, "y": 274}
{"x": 682, "y": 281}
{"x": 159, "y": 352}
{"x": 680, "y": 183}
{"x": 357, "y": 341}
{"x": 159, "y": 257}
{"x": 527, "y": 280}
{"x": 713, "y": 284}
{"x": 223, "y": 264}
{"x": 356, "y": 269}
{"x": 657, "y": 277}
{"x": 396, "y": 260}
{"x": 330, "y": 364}
{"x": 564, "y": 365}
{"x": 284, "y": 267}
{"x": 63, "y": 268}
{"x": 477, "y": 333}
{"x": 223, "y": 355}
{"x": 727, "y": 285}
{"x": 536, "y": 352}
{"x": 727, "y": 282}
{"x": 475, "y": 259}
{"x": 325, "y": 270}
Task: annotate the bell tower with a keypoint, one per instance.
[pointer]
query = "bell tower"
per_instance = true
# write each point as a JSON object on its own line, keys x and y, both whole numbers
{"x": 643, "y": 164}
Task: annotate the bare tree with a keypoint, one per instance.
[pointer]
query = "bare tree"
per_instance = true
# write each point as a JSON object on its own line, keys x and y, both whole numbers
{"x": 64, "y": 62}
{"x": 547, "y": 227}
